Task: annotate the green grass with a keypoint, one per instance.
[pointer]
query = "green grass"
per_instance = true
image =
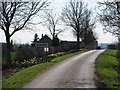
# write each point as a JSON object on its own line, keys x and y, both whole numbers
{"x": 106, "y": 68}
{"x": 20, "y": 78}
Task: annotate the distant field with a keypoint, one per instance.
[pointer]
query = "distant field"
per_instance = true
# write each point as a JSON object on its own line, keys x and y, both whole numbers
{"x": 106, "y": 69}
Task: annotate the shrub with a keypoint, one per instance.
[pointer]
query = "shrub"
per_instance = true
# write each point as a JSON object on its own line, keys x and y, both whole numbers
{"x": 13, "y": 55}
{"x": 72, "y": 51}
{"x": 26, "y": 53}
{"x": 56, "y": 54}
{"x": 25, "y": 63}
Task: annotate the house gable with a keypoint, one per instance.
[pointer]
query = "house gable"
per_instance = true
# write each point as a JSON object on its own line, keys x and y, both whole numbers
{"x": 45, "y": 39}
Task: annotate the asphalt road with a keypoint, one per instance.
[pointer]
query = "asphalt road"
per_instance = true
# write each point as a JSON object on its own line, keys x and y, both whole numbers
{"x": 74, "y": 72}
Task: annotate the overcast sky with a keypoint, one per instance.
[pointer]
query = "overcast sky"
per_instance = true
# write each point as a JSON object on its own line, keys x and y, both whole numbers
{"x": 57, "y": 5}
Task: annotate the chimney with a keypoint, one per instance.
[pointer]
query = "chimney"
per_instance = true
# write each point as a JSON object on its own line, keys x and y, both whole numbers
{"x": 42, "y": 35}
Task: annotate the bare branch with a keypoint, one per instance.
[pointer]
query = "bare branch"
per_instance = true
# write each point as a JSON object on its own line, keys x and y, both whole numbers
{"x": 110, "y": 16}
{"x": 77, "y": 16}
{"x": 52, "y": 23}
{"x": 15, "y": 15}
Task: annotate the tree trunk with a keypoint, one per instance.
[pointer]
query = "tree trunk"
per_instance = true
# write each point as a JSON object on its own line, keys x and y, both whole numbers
{"x": 8, "y": 48}
{"x": 119, "y": 60}
{"x": 53, "y": 44}
{"x": 78, "y": 41}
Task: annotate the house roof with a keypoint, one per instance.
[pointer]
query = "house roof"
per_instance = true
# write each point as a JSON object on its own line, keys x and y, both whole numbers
{"x": 45, "y": 37}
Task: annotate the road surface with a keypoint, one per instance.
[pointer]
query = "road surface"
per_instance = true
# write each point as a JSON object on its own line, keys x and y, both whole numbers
{"x": 74, "y": 72}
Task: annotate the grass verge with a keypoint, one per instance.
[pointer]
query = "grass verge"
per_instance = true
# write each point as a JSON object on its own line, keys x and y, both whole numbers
{"x": 18, "y": 79}
{"x": 106, "y": 69}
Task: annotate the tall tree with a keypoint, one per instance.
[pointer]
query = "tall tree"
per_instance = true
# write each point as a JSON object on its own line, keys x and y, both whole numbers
{"x": 15, "y": 16}
{"x": 89, "y": 37}
{"x": 110, "y": 19}
{"x": 87, "y": 34}
{"x": 73, "y": 16}
{"x": 52, "y": 22}
{"x": 110, "y": 16}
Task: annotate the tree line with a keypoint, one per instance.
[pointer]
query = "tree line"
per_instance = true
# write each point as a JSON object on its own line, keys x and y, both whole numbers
{"x": 17, "y": 16}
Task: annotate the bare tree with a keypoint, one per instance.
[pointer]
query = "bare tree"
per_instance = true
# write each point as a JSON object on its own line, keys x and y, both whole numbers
{"x": 88, "y": 25}
{"x": 110, "y": 19}
{"x": 15, "y": 16}
{"x": 110, "y": 16}
{"x": 52, "y": 22}
{"x": 73, "y": 16}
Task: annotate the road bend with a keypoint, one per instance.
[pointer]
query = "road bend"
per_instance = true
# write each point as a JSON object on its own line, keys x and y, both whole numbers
{"x": 75, "y": 72}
